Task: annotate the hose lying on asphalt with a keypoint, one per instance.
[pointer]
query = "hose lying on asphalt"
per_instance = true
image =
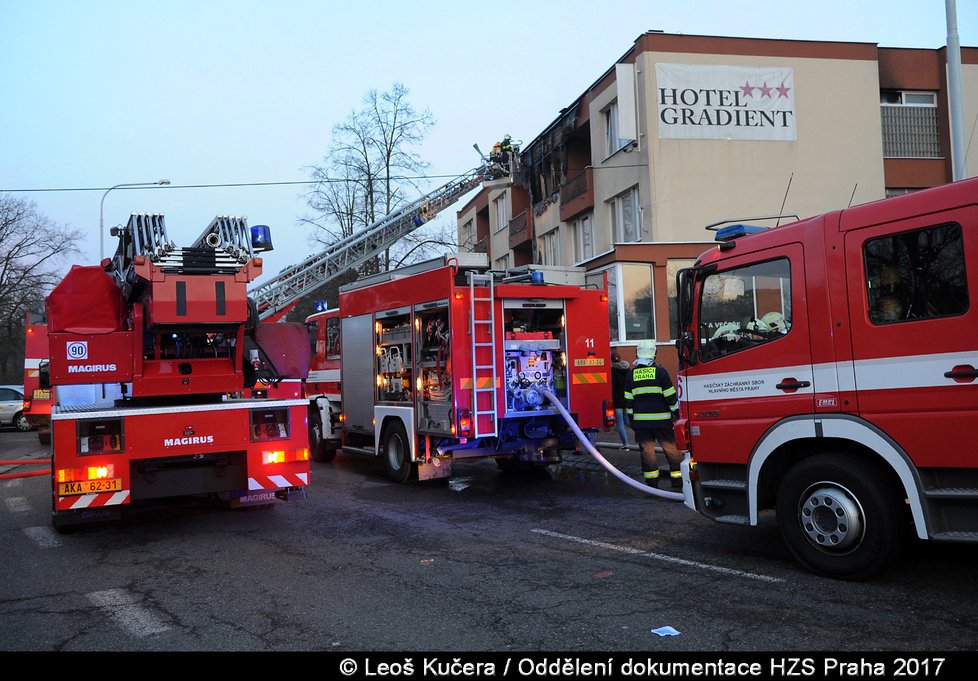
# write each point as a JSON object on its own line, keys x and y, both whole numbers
{"x": 671, "y": 496}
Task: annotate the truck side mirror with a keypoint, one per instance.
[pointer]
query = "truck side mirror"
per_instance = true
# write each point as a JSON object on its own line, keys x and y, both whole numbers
{"x": 44, "y": 374}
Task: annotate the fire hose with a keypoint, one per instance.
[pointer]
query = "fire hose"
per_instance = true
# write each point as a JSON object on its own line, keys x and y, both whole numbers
{"x": 671, "y": 496}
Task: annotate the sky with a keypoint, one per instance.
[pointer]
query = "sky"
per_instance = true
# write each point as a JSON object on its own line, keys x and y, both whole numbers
{"x": 97, "y": 93}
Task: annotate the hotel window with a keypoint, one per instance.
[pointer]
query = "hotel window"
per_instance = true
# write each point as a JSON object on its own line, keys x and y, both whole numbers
{"x": 909, "y": 121}
{"x": 631, "y": 303}
{"x": 612, "y": 142}
{"x": 500, "y": 207}
{"x": 549, "y": 249}
{"x": 583, "y": 238}
{"x": 626, "y": 219}
{"x": 672, "y": 269}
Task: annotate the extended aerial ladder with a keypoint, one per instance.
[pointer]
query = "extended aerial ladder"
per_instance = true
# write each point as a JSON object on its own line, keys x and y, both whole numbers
{"x": 275, "y": 297}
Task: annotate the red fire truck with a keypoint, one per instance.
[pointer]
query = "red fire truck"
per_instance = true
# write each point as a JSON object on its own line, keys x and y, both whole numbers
{"x": 447, "y": 360}
{"x": 828, "y": 371}
{"x": 145, "y": 351}
{"x": 37, "y": 400}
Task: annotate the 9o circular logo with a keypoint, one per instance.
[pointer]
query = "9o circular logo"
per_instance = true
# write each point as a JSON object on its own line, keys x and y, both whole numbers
{"x": 77, "y": 350}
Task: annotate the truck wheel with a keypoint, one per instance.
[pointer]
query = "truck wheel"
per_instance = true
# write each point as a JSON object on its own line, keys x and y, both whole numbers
{"x": 23, "y": 425}
{"x": 317, "y": 445}
{"x": 397, "y": 453}
{"x": 839, "y": 517}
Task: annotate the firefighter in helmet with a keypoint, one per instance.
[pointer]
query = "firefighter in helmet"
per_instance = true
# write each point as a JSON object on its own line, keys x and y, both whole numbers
{"x": 651, "y": 404}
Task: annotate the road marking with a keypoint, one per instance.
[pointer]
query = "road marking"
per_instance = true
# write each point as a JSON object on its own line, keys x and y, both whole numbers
{"x": 123, "y": 606}
{"x": 660, "y": 556}
{"x": 17, "y": 504}
{"x": 44, "y": 537}
{"x": 13, "y": 483}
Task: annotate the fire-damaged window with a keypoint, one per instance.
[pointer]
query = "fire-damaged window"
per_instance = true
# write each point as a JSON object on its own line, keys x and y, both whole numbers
{"x": 745, "y": 307}
{"x": 916, "y": 275}
{"x": 909, "y": 122}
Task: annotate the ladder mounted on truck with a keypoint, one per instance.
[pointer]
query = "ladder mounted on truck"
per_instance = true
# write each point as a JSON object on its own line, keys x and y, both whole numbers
{"x": 278, "y": 295}
{"x": 482, "y": 330}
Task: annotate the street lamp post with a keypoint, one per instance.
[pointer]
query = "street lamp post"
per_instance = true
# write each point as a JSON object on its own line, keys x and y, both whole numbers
{"x": 101, "y": 227}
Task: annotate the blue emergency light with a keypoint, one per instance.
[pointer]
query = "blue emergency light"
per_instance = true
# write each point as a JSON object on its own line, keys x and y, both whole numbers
{"x": 261, "y": 238}
{"x": 731, "y": 232}
{"x": 320, "y": 306}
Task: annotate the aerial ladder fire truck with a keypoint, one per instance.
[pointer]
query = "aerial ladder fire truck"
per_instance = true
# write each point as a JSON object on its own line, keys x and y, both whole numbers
{"x": 829, "y": 371}
{"x": 150, "y": 357}
{"x": 37, "y": 400}
{"x": 447, "y": 359}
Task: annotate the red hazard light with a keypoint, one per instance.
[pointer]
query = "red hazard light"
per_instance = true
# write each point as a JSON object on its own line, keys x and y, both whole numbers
{"x": 609, "y": 414}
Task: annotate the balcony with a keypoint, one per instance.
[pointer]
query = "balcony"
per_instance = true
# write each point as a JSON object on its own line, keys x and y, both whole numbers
{"x": 519, "y": 230}
{"x": 577, "y": 195}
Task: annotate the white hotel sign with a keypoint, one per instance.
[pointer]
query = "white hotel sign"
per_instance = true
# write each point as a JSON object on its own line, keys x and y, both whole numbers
{"x": 725, "y": 102}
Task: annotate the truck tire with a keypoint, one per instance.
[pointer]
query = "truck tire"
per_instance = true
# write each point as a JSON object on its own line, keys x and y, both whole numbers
{"x": 839, "y": 516}
{"x": 21, "y": 422}
{"x": 317, "y": 445}
{"x": 397, "y": 452}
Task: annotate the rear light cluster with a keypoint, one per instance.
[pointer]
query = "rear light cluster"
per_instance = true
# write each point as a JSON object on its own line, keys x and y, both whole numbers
{"x": 86, "y": 473}
{"x": 270, "y": 424}
{"x": 284, "y": 456}
{"x": 609, "y": 413}
{"x": 100, "y": 437}
{"x": 464, "y": 423}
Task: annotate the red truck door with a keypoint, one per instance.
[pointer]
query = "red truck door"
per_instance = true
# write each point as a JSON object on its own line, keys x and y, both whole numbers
{"x": 915, "y": 332}
{"x": 754, "y": 357}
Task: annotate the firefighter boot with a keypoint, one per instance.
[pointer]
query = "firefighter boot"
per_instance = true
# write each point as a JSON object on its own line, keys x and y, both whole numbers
{"x": 651, "y": 477}
{"x": 676, "y": 476}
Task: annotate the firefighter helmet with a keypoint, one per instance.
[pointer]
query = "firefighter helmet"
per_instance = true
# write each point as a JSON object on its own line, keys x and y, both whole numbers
{"x": 646, "y": 350}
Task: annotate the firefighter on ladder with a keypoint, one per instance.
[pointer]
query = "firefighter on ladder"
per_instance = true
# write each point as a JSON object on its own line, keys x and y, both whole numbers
{"x": 651, "y": 404}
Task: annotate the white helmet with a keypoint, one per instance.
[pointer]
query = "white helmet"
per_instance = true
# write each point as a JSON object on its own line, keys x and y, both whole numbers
{"x": 728, "y": 332}
{"x": 646, "y": 350}
{"x": 775, "y": 322}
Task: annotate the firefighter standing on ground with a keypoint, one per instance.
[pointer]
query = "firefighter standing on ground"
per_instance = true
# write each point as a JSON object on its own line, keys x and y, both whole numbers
{"x": 651, "y": 403}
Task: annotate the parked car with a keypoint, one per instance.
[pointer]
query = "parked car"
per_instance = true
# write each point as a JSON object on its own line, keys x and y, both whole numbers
{"x": 11, "y": 407}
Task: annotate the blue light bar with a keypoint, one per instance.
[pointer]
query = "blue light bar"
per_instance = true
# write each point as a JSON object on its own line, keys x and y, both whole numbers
{"x": 261, "y": 238}
{"x": 731, "y": 232}
{"x": 320, "y": 305}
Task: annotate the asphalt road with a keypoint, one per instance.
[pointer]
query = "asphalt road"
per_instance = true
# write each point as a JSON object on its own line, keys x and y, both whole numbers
{"x": 567, "y": 560}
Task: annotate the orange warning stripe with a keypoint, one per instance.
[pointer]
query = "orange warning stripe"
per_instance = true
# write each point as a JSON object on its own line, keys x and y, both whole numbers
{"x": 588, "y": 378}
{"x": 484, "y": 382}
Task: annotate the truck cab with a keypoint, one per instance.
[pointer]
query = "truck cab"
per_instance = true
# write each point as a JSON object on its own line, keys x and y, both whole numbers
{"x": 828, "y": 371}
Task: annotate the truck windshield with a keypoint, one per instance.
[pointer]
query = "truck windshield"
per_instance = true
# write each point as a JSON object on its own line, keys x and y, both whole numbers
{"x": 744, "y": 307}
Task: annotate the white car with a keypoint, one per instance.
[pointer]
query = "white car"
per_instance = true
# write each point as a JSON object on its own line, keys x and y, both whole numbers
{"x": 11, "y": 407}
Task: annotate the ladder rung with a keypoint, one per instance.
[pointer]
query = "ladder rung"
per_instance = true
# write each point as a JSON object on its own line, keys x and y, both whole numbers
{"x": 482, "y": 321}
{"x": 484, "y": 366}
{"x": 485, "y": 390}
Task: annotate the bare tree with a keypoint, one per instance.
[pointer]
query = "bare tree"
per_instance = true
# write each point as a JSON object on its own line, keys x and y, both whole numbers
{"x": 371, "y": 169}
{"x": 31, "y": 248}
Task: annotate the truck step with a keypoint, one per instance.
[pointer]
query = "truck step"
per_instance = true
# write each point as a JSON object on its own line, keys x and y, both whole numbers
{"x": 968, "y": 537}
{"x": 724, "y": 484}
{"x": 952, "y": 493}
{"x": 733, "y": 519}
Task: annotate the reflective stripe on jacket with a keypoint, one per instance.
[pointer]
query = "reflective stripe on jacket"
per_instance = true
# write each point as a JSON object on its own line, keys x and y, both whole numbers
{"x": 650, "y": 397}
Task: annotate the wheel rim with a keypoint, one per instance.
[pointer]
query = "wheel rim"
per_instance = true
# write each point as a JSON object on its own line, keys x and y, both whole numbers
{"x": 395, "y": 452}
{"x": 23, "y": 424}
{"x": 831, "y": 518}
